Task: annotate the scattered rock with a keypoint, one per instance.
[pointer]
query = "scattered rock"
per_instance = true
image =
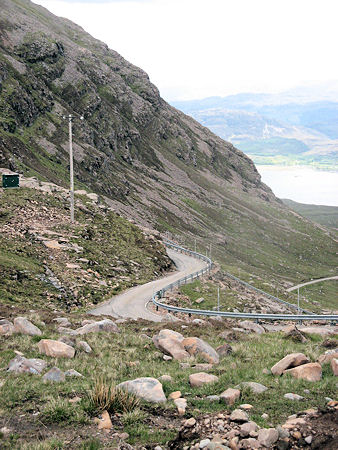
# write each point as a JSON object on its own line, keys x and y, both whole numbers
{"x": 213, "y": 398}
{"x": 246, "y": 406}
{"x": 247, "y": 428}
{"x": 308, "y": 439}
{"x": 294, "y": 334}
{"x": 230, "y": 396}
{"x": 252, "y": 326}
{"x": 104, "y": 423}
{"x": 24, "y": 326}
{"x": 238, "y": 415}
{"x": 268, "y": 436}
{"x": 147, "y": 388}
{"x": 72, "y": 373}
{"x": 75, "y": 399}
{"x": 291, "y": 360}
{"x": 309, "y": 372}
{"x": 55, "y": 375}
{"x": 203, "y": 367}
{"x": 190, "y": 422}
{"x": 83, "y": 345}
{"x": 67, "y": 340}
{"x": 172, "y": 347}
{"x": 167, "y": 334}
{"x": 197, "y": 347}
{"x": 254, "y": 387}
{"x": 105, "y": 325}
{"x": 224, "y": 350}
{"x": 63, "y": 321}
{"x": 167, "y": 358}
{"x": 56, "y": 349}
{"x": 199, "y": 300}
{"x": 20, "y": 364}
{"x": 334, "y": 366}
{"x": 265, "y": 416}
{"x": 327, "y": 357}
{"x": 291, "y": 396}
{"x": 6, "y": 327}
{"x": 166, "y": 378}
{"x": 204, "y": 443}
{"x": 181, "y": 405}
{"x": 201, "y": 378}
{"x": 175, "y": 395}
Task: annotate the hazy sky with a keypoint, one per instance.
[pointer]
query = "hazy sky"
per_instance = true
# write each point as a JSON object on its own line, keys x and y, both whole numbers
{"x": 200, "y": 48}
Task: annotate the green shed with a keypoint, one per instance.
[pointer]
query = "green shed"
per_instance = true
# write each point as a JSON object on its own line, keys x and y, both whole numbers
{"x": 10, "y": 180}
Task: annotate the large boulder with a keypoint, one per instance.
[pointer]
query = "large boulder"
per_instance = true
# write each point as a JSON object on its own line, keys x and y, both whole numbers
{"x": 146, "y": 388}
{"x": 20, "y": 364}
{"x": 294, "y": 334}
{"x": 197, "y": 347}
{"x": 173, "y": 348}
{"x": 6, "y": 327}
{"x": 230, "y": 396}
{"x": 309, "y": 372}
{"x": 56, "y": 349}
{"x": 200, "y": 378}
{"x": 106, "y": 325}
{"x": 291, "y": 360}
{"x": 24, "y": 326}
{"x": 252, "y": 326}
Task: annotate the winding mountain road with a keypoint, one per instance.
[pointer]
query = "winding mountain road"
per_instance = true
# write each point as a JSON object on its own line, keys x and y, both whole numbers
{"x": 133, "y": 302}
{"x": 293, "y": 288}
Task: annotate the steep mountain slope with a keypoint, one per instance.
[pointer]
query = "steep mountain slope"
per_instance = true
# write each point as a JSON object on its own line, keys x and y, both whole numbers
{"x": 149, "y": 160}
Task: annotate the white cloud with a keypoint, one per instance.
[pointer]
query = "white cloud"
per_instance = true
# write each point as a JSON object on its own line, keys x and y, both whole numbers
{"x": 199, "y": 48}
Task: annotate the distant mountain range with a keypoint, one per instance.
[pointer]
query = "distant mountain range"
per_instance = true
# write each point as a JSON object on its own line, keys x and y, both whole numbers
{"x": 295, "y": 127}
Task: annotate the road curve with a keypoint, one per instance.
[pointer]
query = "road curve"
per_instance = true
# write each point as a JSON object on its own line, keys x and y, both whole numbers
{"x": 132, "y": 303}
{"x": 293, "y": 288}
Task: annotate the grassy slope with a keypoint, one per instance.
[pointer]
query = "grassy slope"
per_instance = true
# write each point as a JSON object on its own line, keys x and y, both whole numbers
{"x": 325, "y": 215}
{"x": 116, "y": 254}
{"x": 113, "y": 359}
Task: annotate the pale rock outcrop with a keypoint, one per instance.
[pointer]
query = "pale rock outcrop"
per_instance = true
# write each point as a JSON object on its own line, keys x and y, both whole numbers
{"x": 56, "y": 349}
{"x": 24, "y": 326}
{"x": 20, "y": 364}
{"x": 309, "y": 372}
{"x": 200, "y": 378}
{"x": 230, "y": 396}
{"x": 146, "y": 388}
{"x": 291, "y": 360}
{"x": 197, "y": 347}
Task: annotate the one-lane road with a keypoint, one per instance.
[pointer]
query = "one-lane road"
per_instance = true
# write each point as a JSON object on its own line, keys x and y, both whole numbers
{"x": 133, "y": 302}
{"x": 293, "y": 288}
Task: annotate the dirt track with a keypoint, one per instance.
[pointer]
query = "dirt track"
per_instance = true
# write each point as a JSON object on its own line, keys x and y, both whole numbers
{"x": 132, "y": 303}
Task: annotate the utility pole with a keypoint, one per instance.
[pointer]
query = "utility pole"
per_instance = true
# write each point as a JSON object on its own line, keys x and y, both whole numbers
{"x": 71, "y": 165}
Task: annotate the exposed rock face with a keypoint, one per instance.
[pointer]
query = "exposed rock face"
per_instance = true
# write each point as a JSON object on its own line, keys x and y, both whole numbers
{"x": 24, "y": 326}
{"x": 198, "y": 379}
{"x": 147, "y": 388}
{"x": 56, "y": 349}
{"x": 197, "y": 347}
{"x": 309, "y": 372}
{"x": 20, "y": 364}
{"x": 291, "y": 360}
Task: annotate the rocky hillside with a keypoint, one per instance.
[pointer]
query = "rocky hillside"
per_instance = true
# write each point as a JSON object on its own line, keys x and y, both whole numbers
{"x": 147, "y": 159}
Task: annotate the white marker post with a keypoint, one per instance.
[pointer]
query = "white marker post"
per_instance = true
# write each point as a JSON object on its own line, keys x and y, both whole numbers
{"x": 218, "y": 299}
{"x": 298, "y": 301}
